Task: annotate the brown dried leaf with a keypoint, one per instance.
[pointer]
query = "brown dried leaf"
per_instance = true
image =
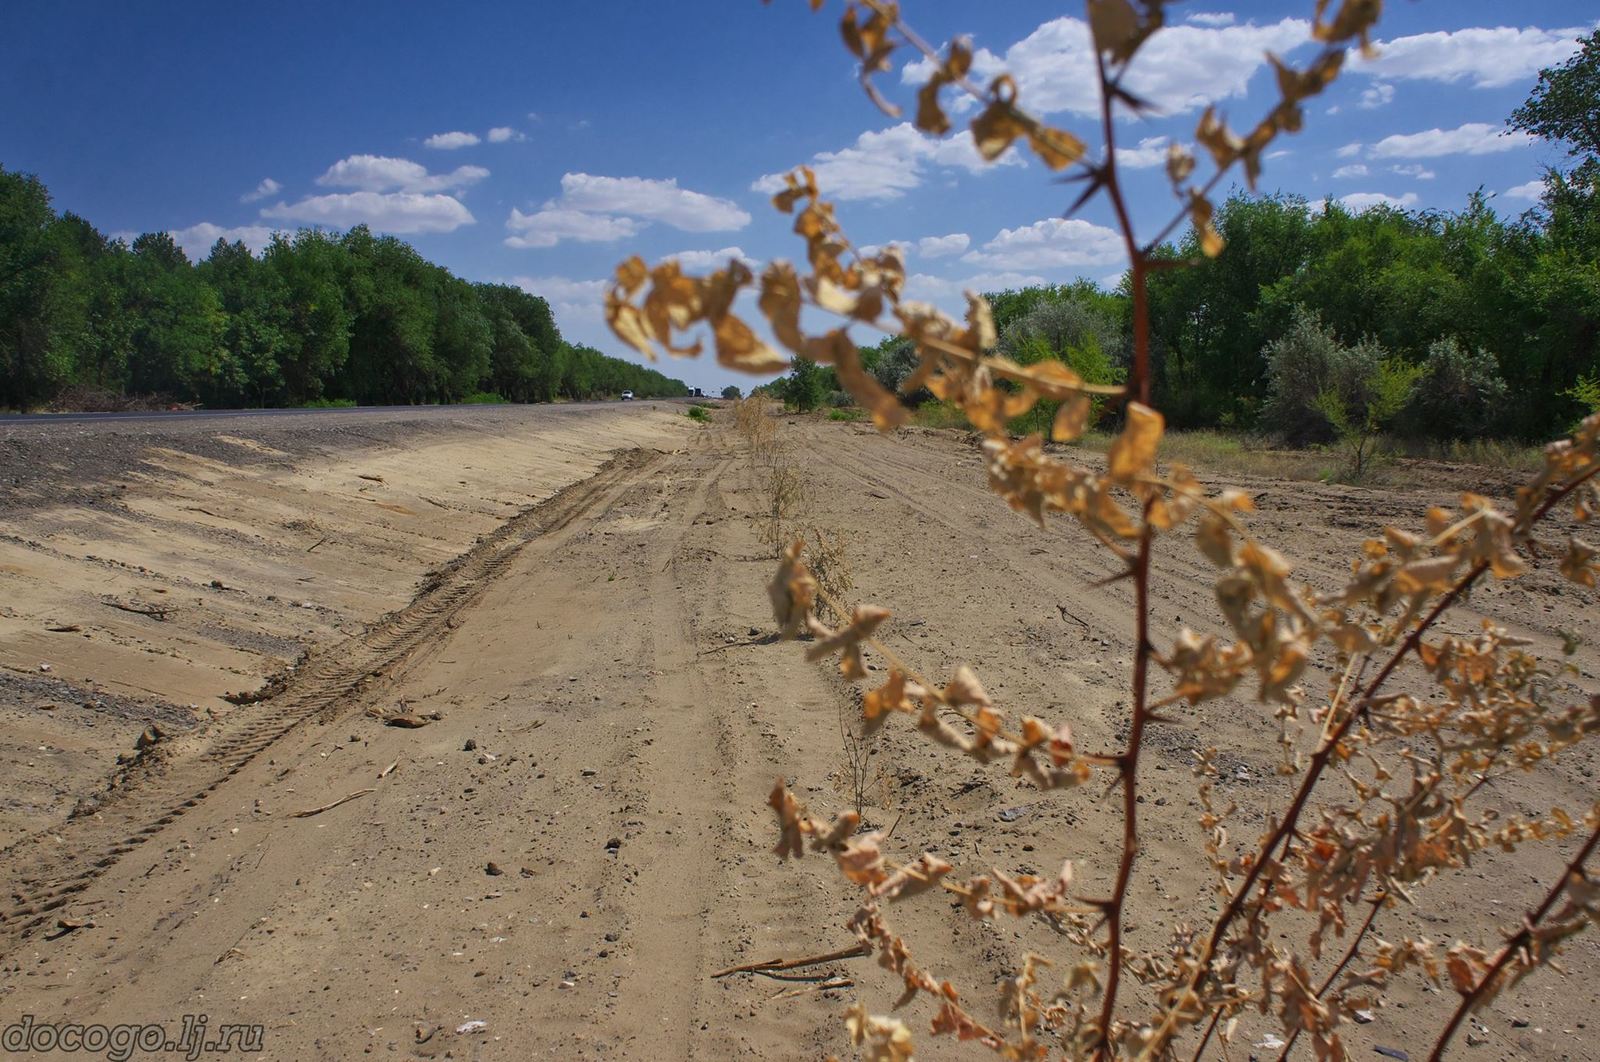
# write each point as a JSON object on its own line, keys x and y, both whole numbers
{"x": 1133, "y": 454}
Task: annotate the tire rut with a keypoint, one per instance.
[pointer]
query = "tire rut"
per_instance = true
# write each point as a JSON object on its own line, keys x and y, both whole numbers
{"x": 48, "y": 871}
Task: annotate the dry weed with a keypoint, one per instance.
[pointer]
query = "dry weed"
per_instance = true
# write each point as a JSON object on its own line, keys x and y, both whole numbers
{"x": 1383, "y": 780}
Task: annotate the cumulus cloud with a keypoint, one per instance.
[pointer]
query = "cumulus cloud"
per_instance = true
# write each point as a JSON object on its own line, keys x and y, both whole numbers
{"x": 699, "y": 261}
{"x": 1414, "y": 170}
{"x": 887, "y": 163}
{"x": 593, "y": 209}
{"x": 868, "y": 250}
{"x": 1359, "y": 201}
{"x": 267, "y": 188}
{"x": 1529, "y": 190}
{"x": 501, "y": 133}
{"x": 929, "y": 288}
{"x": 1349, "y": 151}
{"x": 940, "y": 246}
{"x": 569, "y": 299}
{"x": 1355, "y": 169}
{"x": 1054, "y": 243}
{"x": 380, "y": 173}
{"x": 450, "y": 141}
{"x": 1473, "y": 138}
{"x": 1180, "y": 69}
{"x": 1482, "y": 56}
{"x": 197, "y": 240}
{"x": 1148, "y": 153}
{"x": 1378, "y": 94}
{"x": 1210, "y": 18}
{"x": 652, "y": 200}
{"x": 398, "y": 212}
{"x": 548, "y": 227}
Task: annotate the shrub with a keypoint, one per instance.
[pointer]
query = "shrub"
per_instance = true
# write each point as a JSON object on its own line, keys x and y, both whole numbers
{"x": 1459, "y": 395}
{"x": 484, "y": 398}
{"x": 731, "y": 392}
{"x": 1383, "y": 759}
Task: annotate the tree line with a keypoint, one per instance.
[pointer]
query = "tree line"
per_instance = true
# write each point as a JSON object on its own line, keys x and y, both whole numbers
{"x": 1319, "y": 321}
{"x": 317, "y": 318}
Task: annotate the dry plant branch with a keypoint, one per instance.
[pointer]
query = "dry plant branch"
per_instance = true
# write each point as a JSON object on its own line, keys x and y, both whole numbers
{"x": 1382, "y": 779}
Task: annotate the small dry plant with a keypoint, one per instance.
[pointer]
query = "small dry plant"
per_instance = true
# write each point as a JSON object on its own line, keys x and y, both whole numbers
{"x": 861, "y": 779}
{"x": 1383, "y": 779}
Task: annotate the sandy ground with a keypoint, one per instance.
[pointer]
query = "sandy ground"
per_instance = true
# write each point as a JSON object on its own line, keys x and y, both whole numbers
{"x": 558, "y": 862}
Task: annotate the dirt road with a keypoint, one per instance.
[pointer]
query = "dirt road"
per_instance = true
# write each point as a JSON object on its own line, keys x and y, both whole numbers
{"x": 557, "y": 864}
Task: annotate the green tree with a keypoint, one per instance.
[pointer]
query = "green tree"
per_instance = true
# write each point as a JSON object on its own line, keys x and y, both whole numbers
{"x": 804, "y": 388}
{"x": 176, "y": 325}
{"x": 256, "y": 336}
{"x": 312, "y": 271}
{"x": 34, "y": 350}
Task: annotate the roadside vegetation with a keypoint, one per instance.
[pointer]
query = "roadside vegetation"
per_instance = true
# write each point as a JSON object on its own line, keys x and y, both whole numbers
{"x": 87, "y": 321}
{"x": 1320, "y": 327}
{"x": 1356, "y": 336}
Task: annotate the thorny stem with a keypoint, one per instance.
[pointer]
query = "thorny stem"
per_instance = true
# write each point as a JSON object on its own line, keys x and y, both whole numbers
{"x": 1319, "y": 762}
{"x": 1470, "y": 1000}
{"x": 1128, "y": 760}
{"x": 1140, "y": 388}
{"x": 1128, "y": 774}
{"x": 1355, "y": 946}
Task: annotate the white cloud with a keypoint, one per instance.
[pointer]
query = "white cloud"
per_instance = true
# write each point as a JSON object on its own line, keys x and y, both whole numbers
{"x": 568, "y": 299}
{"x": 1355, "y": 169}
{"x": 501, "y": 133}
{"x": 594, "y": 209}
{"x": 1473, "y": 138}
{"x": 929, "y": 288}
{"x": 548, "y": 227}
{"x": 1210, "y": 18}
{"x": 1150, "y": 152}
{"x": 700, "y": 261}
{"x": 653, "y": 200}
{"x": 1349, "y": 151}
{"x": 1482, "y": 56}
{"x": 1378, "y": 94}
{"x": 1180, "y": 69}
{"x": 450, "y": 141}
{"x": 1054, "y": 243}
{"x": 1359, "y": 201}
{"x": 887, "y": 163}
{"x": 869, "y": 250}
{"x": 397, "y": 212}
{"x": 379, "y": 173}
{"x": 1529, "y": 190}
{"x": 1414, "y": 170}
{"x": 940, "y": 246}
{"x": 197, "y": 240}
{"x": 267, "y": 187}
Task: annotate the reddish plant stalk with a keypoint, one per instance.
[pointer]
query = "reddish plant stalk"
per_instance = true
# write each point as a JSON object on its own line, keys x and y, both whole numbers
{"x": 1523, "y": 936}
{"x": 1350, "y": 954}
{"x": 1128, "y": 775}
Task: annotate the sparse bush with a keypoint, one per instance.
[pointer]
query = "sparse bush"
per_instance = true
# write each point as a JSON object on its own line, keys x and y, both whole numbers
{"x": 1383, "y": 760}
{"x": 1459, "y": 393}
{"x": 1302, "y": 365}
{"x": 699, "y": 414}
{"x": 1363, "y": 400}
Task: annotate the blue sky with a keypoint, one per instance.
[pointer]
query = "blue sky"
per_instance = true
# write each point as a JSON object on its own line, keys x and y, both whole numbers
{"x": 540, "y": 143}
